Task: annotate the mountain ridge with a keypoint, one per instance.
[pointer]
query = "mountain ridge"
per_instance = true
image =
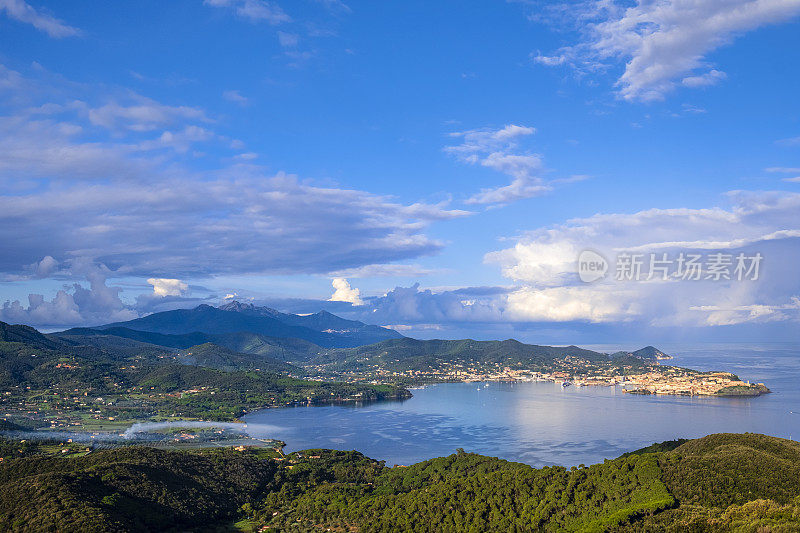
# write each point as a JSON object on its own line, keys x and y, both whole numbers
{"x": 320, "y": 329}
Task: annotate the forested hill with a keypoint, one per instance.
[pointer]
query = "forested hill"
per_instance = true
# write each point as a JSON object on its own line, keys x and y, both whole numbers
{"x": 725, "y": 482}
{"x": 26, "y": 335}
{"x": 276, "y": 348}
{"x": 412, "y": 353}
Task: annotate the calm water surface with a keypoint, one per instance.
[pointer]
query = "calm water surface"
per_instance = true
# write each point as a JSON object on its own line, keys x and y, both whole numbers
{"x": 543, "y": 424}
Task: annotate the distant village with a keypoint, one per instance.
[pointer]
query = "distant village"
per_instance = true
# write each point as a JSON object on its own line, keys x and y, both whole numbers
{"x": 645, "y": 378}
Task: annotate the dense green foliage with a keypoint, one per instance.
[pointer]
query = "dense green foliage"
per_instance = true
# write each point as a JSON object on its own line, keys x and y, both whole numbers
{"x": 416, "y": 354}
{"x": 214, "y": 356}
{"x": 718, "y": 483}
{"x": 666, "y": 446}
{"x": 729, "y": 469}
{"x": 26, "y": 335}
{"x": 133, "y": 489}
{"x": 466, "y": 492}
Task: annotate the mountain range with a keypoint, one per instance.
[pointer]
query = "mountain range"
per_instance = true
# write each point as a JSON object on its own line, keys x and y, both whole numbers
{"x": 323, "y": 329}
{"x": 244, "y": 336}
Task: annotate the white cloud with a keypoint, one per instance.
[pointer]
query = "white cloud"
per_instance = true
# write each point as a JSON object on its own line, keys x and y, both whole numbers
{"x": 143, "y": 208}
{"x": 383, "y": 270}
{"x": 142, "y": 114}
{"x": 498, "y": 150}
{"x": 52, "y": 149}
{"x": 544, "y": 264}
{"x": 10, "y": 79}
{"x": 412, "y": 305}
{"x": 181, "y": 141}
{"x": 344, "y": 293}
{"x": 336, "y": 5}
{"x": 243, "y": 224}
{"x": 550, "y": 61}
{"x": 726, "y": 316}
{"x": 76, "y": 306}
{"x": 44, "y": 268}
{"x": 288, "y": 40}
{"x": 168, "y": 287}
{"x": 23, "y": 12}
{"x": 235, "y": 97}
{"x": 253, "y": 10}
{"x": 712, "y": 77}
{"x": 784, "y": 170}
{"x": 793, "y": 141}
{"x": 661, "y": 42}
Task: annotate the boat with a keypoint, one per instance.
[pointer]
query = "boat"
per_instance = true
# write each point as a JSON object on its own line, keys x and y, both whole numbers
{"x": 565, "y": 384}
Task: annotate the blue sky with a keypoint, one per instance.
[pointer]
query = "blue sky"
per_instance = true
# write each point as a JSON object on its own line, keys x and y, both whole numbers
{"x": 446, "y": 160}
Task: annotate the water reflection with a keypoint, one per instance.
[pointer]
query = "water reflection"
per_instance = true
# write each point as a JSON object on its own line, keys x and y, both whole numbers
{"x": 543, "y": 424}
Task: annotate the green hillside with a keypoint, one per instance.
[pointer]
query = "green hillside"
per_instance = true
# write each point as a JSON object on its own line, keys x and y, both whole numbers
{"x": 422, "y": 354}
{"x": 214, "y": 356}
{"x": 27, "y": 335}
{"x": 74, "y": 384}
{"x": 720, "y": 483}
{"x": 120, "y": 338}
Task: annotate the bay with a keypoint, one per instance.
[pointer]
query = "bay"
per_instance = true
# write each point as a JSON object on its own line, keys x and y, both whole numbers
{"x": 544, "y": 424}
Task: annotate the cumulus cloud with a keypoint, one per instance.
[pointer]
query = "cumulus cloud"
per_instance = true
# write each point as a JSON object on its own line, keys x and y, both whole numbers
{"x": 545, "y": 288}
{"x": 345, "y": 293}
{"x": 253, "y": 10}
{"x": 499, "y": 150}
{"x": 412, "y": 305}
{"x": 661, "y": 43}
{"x": 23, "y": 12}
{"x": 44, "y": 268}
{"x": 168, "y": 287}
{"x": 544, "y": 264}
{"x": 74, "y": 306}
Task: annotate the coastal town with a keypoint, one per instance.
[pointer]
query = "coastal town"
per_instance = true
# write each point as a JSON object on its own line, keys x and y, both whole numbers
{"x": 632, "y": 377}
